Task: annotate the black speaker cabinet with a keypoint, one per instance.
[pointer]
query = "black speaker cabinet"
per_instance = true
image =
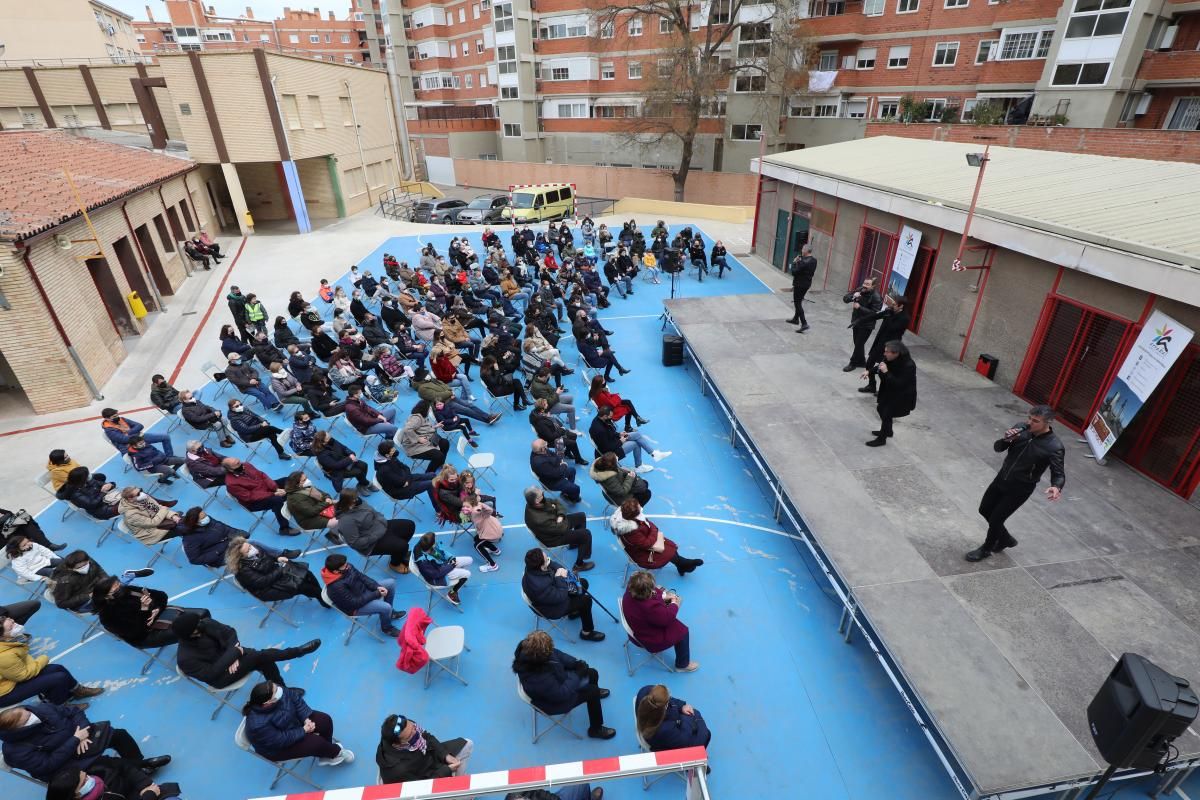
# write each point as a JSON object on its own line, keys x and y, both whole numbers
{"x": 672, "y": 351}
{"x": 1138, "y": 711}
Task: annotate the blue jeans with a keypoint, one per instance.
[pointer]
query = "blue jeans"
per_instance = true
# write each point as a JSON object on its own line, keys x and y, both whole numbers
{"x": 382, "y": 606}
{"x": 386, "y": 428}
{"x": 683, "y": 651}
{"x": 465, "y": 409}
{"x": 159, "y": 438}
{"x": 635, "y": 442}
{"x": 54, "y": 683}
{"x": 462, "y": 383}
{"x": 721, "y": 265}
{"x": 263, "y": 396}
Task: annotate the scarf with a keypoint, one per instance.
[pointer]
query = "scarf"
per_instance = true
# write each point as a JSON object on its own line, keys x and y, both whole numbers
{"x": 417, "y": 743}
{"x": 147, "y": 504}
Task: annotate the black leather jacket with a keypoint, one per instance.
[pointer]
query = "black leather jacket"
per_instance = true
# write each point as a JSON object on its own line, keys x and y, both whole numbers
{"x": 1029, "y": 456}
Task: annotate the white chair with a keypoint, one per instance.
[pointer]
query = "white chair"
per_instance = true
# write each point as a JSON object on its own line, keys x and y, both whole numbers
{"x": 212, "y": 494}
{"x": 174, "y": 419}
{"x": 494, "y": 399}
{"x": 154, "y": 656}
{"x": 479, "y": 463}
{"x": 210, "y": 371}
{"x": 126, "y": 464}
{"x": 538, "y": 618}
{"x": 32, "y": 588}
{"x": 435, "y": 591}
{"x": 6, "y": 768}
{"x": 273, "y": 606}
{"x": 281, "y": 767}
{"x": 223, "y": 695}
{"x": 160, "y": 549}
{"x": 93, "y": 624}
{"x": 445, "y": 645}
{"x": 44, "y": 483}
{"x": 556, "y": 720}
{"x": 644, "y": 746}
{"x": 631, "y": 639}
{"x": 356, "y": 622}
{"x": 369, "y": 440}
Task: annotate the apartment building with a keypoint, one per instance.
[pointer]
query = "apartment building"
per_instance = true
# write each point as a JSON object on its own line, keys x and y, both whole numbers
{"x": 65, "y": 31}
{"x": 189, "y": 25}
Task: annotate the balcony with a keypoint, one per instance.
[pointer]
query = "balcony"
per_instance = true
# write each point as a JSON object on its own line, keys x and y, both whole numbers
{"x": 1028, "y": 71}
{"x": 836, "y": 21}
{"x": 1170, "y": 68}
{"x": 453, "y": 125}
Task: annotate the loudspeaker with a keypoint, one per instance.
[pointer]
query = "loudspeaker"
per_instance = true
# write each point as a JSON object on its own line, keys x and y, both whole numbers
{"x": 672, "y": 351}
{"x": 1138, "y": 712}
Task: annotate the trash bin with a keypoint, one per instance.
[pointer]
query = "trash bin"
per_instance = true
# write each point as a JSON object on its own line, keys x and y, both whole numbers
{"x": 672, "y": 350}
{"x": 986, "y": 366}
{"x": 136, "y": 305}
{"x": 249, "y": 221}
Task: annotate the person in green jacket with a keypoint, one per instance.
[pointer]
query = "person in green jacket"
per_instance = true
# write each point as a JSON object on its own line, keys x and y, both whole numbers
{"x": 307, "y": 505}
{"x": 256, "y": 314}
{"x": 431, "y": 390}
{"x": 553, "y": 526}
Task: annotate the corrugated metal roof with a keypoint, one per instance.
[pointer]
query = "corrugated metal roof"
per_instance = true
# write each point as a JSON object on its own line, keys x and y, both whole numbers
{"x": 1151, "y": 208}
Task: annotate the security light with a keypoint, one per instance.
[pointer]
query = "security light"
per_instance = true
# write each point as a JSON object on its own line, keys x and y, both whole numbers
{"x": 976, "y": 159}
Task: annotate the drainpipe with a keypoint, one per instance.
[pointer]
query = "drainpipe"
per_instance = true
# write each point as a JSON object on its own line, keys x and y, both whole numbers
{"x": 62, "y": 332}
{"x": 149, "y": 278}
{"x": 358, "y": 139}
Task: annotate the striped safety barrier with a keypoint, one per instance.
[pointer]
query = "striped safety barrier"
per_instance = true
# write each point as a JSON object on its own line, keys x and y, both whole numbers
{"x": 550, "y": 776}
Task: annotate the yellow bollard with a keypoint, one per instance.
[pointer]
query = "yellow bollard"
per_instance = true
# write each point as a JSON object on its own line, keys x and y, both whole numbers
{"x": 249, "y": 221}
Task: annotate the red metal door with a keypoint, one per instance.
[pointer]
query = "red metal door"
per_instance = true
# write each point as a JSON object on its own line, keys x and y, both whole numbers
{"x": 918, "y": 285}
{"x": 874, "y": 254}
{"x": 1163, "y": 441}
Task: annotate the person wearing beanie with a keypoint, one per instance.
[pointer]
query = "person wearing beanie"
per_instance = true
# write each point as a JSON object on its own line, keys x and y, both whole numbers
{"x": 280, "y": 726}
{"x": 407, "y": 752}
{"x": 212, "y": 653}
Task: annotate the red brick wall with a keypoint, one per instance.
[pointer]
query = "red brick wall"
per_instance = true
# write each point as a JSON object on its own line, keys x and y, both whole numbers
{"x": 1158, "y": 145}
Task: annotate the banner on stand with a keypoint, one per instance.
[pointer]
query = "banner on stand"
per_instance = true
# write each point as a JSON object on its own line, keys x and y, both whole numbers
{"x": 902, "y": 264}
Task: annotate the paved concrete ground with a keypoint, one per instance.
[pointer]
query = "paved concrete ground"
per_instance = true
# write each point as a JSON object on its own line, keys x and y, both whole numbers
{"x": 1007, "y": 653}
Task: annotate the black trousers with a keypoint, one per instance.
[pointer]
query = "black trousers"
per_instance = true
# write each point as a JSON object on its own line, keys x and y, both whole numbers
{"x": 860, "y": 333}
{"x": 590, "y": 694}
{"x": 262, "y": 661}
{"x": 436, "y": 457}
{"x": 581, "y": 604}
{"x": 885, "y": 422}
{"x": 1000, "y": 501}
{"x": 798, "y": 292}
{"x": 357, "y": 471}
{"x": 395, "y": 540}
{"x": 125, "y": 745}
{"x": 160, "y": 637}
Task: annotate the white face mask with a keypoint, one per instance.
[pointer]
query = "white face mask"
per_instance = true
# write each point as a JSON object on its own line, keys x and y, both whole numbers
{"x": 17, "y": 629}
{"x": 275, "y": 698}
{"x": 142, "y": 495}
{"x": 238, "y": 408}
{"x": 89, "y": 785}
{"x": 83, "y": 568}
{"x": 33, "y": 720}
{"x": 202, "y": 522}
{"x": 281, "y": 374}
{"x": 253, "y": 551}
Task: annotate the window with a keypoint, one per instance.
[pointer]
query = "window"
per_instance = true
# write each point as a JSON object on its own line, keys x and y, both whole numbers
{"x": 956, "y": 3}
{"x": 328, "y": 38}
{"x": 856, "y": 109}
{"x": 478, "y": 46}
{"x": 608, "y": 72}
{"x": 865, "y": 58}
{"x": 635, "y": 70}
{"x": 469, "y": 80}
{"x": 945, "y": 54}
{"x": 1186, "y": 116}
{"x": 1091, "y": 74}
{"x": 345, "y": 38}
{"x": 1098, "y": 18}
{"x": 508, "y": 93}
{"x": 314, "y": 38}
{"x": 606, "y": 30}
{"x": 1043, "y": 45}
{"x": 1023, "y": 44}
{"x": 186, "y": 32}
{"x": 507, "y": 56}
{"x": 907, "y": 6}
{"x": 718, "y": 14}
{"x": 502, "y": 17}
{"x": 475, "y": 11}
{"x": 898, "y": 56}
{"x": 829, "y": 60}
{"x": 746, "y": 133}
{"x": 293, "y": 38}
{"x": 558, "y": 74}
{"x": 750, "y": 83}
{"x": 449, "y": 20}
{"x": 462, "y": 14}
{"x": 466, "y": 48}
{"x": 986, "y": 48}
{"x": 635, "y": 25}
{"x": 937, "y": 106}
{"x": 347, "y": 112}
{"x": 483, "y": 80}
{"x": 512, "y": 130}
{"x": 218, "y": 36}
{"x": 827, "y": 8}
{"x": 873, "y": 8}
{"x": 665, "y": 67}
{"x": 291, "y": 110}
{"x": 572, "y": 110}
{"x": 887, "y": 109}
{"x": 714, "y": 107}
{"x": 314, "y": 110}
{"x": 754, "y": 40}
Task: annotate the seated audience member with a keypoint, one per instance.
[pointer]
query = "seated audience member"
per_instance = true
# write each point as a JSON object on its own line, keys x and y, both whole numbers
{"x": 367, "y": 419}
{"x": 608, "y": 439}
{"x": 502, "y": 385}
{"x": 622, "y": 409}
{"x": 488, "y": 529}
{"x": 557, "y": 400}
{"x": 439, "y": 569}
{"x": 407, "y": 752}
{"x": 719, "y": 258}
{"x": 356, "y": 594}
{"x": 302, "y": 434}
{"x": 618, "y": 483}
{"x": 148, "y": 458}
{"x": 90, "y": 492}
{"x": 432, "y": 390}
{"x": 310, "y": 507}
{"x": 163, "y": 395}
{"x": 319, "y": 392}
{"x": 58, "y": 467}
{"x": 339, "y": 462}
{"x": 206, "y": 245}
{"x": 420, "y": 438}
{"x": 204, "y": 465}
{"x": 268, "y": 574}
{"x": 651, "y": 613}
{"x": 549, "y": 427}
{"x": 147, "y": 519}
{"x": 450, "y": 421}
{"x": 197, "y": 255}
{"x": 252, "y": 428}
{"x": 645, "y": 543}
{"x": 556, "y": 593}
{"x": 556, "y": 682}
{"x": 119, "y": 429}
{"x": 447, "y": 494}
{"x": 256, "y": 492}
{"x": 30, "y": 560}
{"x": 554, "y": 472}
{"x": 669, "y": 723}
{"x": 287, "y": 388}
{"x": 136, "y": 615}
{"x": 395, "y": 478}
{"x": 20, "y": 522}
{"x": 76, "y": 576}
{"x": 205, "y": 539}
{"x": 280, "y": 726}
{"x": 245, "y": 377}
{"x": 212, "y": 653}
{"x": 232, "y": 343}
{"x": 552, "y": 525}
{"x": 43, "y": 739}
{"x": 109, "y": 777}
{"x": 23, "y": 676}
{"x": 204, "y": 417}
{"x": 369, "y": 533}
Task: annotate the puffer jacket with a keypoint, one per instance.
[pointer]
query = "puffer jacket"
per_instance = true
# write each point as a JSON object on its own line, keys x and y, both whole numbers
{"x": 124, "y": 617}
{"x": 89, "y": 497}
{"x": 301, "y": 438}
{"x": 30, "y": 561}
{"x": 206, "y": 544}
{"x": 16, "y": 665}
{"x": 547, "y": 591}
{"x": 553, "y": 685}
{"x": 245, "y": 422}
{"x": 59, "y": 472}
{"x": 204, "y": 466}
{"x": 434, "y": 565}
{"x": 49, "y": 747}
{"x": 677, "y": 729}
{"x": 274, "y": 729}
{"x": 433, "y": 390}
{"x": 335, "y": 458}
{"x": 362, "y": 527}
{"x": 199, "y": 416}
{"x": 241, "y": 374}
{"x": 349, "y": 590}
{"x": 638, "y": 536}
{"x": 617, "y": 484}
{"x": 267, "y": 579}
{"x": 71, "y": 589}
{"x": 306, "y": 505}
{"x": 285, "y": 386}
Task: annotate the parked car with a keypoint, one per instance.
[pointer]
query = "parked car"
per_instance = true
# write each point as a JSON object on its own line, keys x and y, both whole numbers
{"x": 444, "y": 211}
{"x": 483, "y": 210}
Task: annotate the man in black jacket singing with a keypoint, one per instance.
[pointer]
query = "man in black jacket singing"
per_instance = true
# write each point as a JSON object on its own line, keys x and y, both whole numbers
{"x": 1031, "y": 448}
{"x": 865, "y": 302}
{"x": 804, "y": 267}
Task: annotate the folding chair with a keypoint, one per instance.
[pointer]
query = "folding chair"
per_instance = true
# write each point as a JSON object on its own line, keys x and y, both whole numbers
{"x": 368, "y": 440}
{"x": 160, "y": 549}
{"x": 631, "y": 639}
{"x": 355, "y": 622}
{"x": 545, "y": 489}
{"x": 223, "y": 695}
{"x": 494, "y": 399}
{"x": 644, "y": 746}
{"x": 92, "y": 624}
{"x": 539, "y": 617}
{"x": 126, "y": 464}
{"x": 585, "y": 370}
{"x": 155, "y": 656}
{"x": 260, "y": 516}
{"x": 273, "y": 606}
{"x": 43, "y": 482}
{"x": 438, "y": 592}
{"x": 610, "y": 506}
{"x": 210, "y": 371}
{"x": 211, "y": 494}
{"x": 152, "y": 477}
{"x": 32, "y": 588}
{"x": 281, "y": 767}
{"x": 174, "y": 418}
{"x": 555, "y": 720}
{"x": 479, "y": 463}
{"x": 444, "y": 644}
{"x": 11, "y": 771}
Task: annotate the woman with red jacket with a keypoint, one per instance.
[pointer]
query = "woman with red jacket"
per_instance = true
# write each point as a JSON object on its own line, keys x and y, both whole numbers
{"x": 651, "y": 614}
{"x": 601, "y": 396}
{"x": 645, "y": 543}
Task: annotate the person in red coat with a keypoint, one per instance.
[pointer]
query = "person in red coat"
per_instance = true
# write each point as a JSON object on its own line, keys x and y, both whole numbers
{"x": 651, "y": 614}
{"x": 622, "y": 409}
{"x": 257, "y": 492}
{"x": 645, "y": 543}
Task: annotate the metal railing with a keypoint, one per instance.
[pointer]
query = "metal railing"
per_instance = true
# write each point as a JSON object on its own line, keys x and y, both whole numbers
{"x": 105, "y": 61}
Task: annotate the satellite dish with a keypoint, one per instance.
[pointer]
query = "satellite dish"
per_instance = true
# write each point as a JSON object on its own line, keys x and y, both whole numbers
{"x": 63, "y": 241}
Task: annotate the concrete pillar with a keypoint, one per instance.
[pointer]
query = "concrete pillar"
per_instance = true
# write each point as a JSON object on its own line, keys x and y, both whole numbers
{"x": 234, "y": 184}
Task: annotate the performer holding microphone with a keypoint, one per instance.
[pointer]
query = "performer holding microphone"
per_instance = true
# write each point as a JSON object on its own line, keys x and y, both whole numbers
{"x": 1031, "y": 448}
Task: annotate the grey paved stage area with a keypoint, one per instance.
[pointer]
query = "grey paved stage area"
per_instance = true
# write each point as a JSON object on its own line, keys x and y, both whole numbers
{"x": 1005, "y": 654}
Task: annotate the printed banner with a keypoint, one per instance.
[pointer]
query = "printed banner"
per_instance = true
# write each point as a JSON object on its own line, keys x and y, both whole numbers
{"x": 906, "y": 255}
{"x": 1155, "y": 350}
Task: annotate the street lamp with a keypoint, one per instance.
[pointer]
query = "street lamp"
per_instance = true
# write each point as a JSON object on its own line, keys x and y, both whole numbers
{"x": 979, "y": 161}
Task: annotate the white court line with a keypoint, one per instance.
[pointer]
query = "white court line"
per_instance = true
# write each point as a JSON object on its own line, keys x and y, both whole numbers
{"x": 716, "y": 520}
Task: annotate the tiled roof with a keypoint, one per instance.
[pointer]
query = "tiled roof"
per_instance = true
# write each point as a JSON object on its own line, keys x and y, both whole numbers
{"x": 34, "y": 194}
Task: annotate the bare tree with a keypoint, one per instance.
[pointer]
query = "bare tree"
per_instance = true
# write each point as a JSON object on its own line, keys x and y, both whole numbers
{"x": 709, "y": 49}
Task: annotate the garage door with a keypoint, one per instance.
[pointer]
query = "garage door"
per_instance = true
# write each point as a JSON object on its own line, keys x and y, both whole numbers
{"x": 441, "y": 170}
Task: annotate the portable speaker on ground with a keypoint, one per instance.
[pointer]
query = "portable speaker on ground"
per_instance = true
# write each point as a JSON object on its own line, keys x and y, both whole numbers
{"x": 986, "y": 366}
{"x": 1138, "y": 712}
{"x": 672, "y": 352}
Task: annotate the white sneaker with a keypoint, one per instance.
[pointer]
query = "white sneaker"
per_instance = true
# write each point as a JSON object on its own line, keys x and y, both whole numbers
{"x": 659, "y": 455}
{"x": 344, "y": 757}
{"x": 488, "y": 567}
{"x": 644, "y": 468}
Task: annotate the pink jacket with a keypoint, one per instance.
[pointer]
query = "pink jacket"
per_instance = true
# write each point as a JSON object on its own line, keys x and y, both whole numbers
{"x": 485, "y": 522}
{"x": 412, "y": 641}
